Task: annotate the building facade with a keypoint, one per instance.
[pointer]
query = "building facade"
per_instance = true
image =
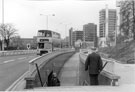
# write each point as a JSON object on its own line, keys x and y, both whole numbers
{"x": 90, "y": 32}
{"x": 107, "y": 27}
{"x": 32, "y": 42}
{"x": 65, "y": 42}
{"x": 76, "y": 36}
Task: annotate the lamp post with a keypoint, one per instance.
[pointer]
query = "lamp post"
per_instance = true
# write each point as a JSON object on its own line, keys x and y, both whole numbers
{"x": 65, "y": 27}
{"x": 118, "y": 5}
{"x": 3, "y": 23}
{"x": 66, "y": 32}
{"x": 47, "y": 19}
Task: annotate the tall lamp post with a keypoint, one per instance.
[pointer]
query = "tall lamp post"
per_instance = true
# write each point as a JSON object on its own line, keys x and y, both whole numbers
{"x": 3, "y": 23}
{"x": 47, "y": 19}
{"x": 65, "y": 31}
{"x": 47, "y": 22}
{"x": 118, "y": 5}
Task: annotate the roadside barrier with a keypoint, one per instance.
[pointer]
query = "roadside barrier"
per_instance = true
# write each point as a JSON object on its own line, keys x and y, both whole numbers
{"x": 107, "y": 75}
{"x": 28, "y": 78}
{"x": 40, "y": 62}
{"x": 17, "y": 52}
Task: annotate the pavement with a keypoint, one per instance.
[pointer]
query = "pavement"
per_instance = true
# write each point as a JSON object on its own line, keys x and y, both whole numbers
{"x": 122, "y": 88}
{"x": 69, "y": 75}
{"x": 126, "y": 73}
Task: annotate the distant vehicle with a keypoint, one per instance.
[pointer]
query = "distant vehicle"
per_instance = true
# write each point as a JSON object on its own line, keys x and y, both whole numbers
{"x": 47, "y": 41}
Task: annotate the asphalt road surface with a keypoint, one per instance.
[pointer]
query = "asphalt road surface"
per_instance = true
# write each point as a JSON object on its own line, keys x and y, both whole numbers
{"x": 12, "y": 67}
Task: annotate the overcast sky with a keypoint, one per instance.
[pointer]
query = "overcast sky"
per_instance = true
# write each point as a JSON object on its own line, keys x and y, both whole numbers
{"x": 25, "y": 14}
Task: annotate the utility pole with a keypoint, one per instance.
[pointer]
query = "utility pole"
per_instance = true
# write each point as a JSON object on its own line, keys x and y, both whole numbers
{"x": 106, "y": 24}
{"x": 47, "y": 22}
{"x": 3, "y": 24}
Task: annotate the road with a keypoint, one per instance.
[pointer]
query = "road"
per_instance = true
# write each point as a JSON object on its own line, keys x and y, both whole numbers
{"x": 12, "y": 67}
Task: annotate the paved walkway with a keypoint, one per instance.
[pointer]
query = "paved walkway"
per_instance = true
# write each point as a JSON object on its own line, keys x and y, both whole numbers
{"x": 69, "y": 75}
{"x": 122, "y": 88}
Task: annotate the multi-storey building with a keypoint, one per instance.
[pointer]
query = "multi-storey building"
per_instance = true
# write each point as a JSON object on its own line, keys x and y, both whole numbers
{"x": 65, "y": 41}
{"x": 90, "y": 32}
{"x": 76, "y": 36}
{"x": 107, "y": 26}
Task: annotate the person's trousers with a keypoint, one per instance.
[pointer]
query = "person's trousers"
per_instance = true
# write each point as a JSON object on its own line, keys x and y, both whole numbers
{"x": 93, "y": 79}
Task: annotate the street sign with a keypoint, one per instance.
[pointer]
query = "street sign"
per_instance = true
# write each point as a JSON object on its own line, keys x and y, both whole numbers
{"x": 28, "y": 46}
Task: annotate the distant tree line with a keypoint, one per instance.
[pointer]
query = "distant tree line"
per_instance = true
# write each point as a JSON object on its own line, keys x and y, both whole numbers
{"x": 127, "y": 12}
{"x": 12, "y": 40}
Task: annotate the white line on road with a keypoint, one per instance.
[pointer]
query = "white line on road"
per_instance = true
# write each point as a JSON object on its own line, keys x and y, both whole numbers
{"x": 31, "y": 56}
{"x": 8, "y": 61}
{"x": 22, "y": 58}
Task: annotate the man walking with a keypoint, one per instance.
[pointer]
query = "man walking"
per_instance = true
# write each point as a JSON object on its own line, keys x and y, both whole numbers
{"x": 94, "y": 64}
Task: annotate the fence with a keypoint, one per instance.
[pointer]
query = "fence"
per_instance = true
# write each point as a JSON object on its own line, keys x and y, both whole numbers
{"x": 107, "y": 76}
{"x": 16, "y": 52}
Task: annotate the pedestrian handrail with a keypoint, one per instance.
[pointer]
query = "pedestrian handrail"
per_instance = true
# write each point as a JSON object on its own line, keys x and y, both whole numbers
{"x": 108, "y": 69}
{"x": 43, "y": 58}
{"x": 16, "y": 52}
{"x": 110, "y": 63}
{"x": 85, "y": 83}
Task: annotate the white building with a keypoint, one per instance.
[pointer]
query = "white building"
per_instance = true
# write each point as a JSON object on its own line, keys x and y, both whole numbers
{"x": 107, "y": 27}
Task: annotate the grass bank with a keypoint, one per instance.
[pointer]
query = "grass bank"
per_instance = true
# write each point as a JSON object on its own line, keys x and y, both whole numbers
{"x": 124, "y": 51}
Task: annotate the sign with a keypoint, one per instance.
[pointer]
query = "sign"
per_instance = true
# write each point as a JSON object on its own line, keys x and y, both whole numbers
{"x": 28, "y": 46}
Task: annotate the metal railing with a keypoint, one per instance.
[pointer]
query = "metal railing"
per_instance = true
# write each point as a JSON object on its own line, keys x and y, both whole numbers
{"x": 85, "y": 83}
{"x": 16, "y": 52}
{"x": 108, "y": 71}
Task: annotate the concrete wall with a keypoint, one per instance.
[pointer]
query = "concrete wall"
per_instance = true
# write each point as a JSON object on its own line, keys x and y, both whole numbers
{"x": 17, "y": 52}
{"x": 106, "y": 77}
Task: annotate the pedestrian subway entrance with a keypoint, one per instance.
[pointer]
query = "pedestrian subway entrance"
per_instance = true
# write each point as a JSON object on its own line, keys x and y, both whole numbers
{"x": 69, "y": 71}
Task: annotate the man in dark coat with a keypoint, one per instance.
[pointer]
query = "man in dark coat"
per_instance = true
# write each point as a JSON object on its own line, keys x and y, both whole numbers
{"x": 94, "y": 64}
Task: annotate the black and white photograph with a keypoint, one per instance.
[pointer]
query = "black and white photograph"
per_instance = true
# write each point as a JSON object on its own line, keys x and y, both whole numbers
{"x": 67, "y": 45}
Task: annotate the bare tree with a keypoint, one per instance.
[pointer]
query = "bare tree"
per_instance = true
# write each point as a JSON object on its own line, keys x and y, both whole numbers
{"x": 7, "y": 32}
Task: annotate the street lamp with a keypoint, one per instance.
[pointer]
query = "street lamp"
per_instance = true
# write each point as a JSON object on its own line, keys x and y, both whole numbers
{"x": 66, "y": 40}
{"x": 3, "y": 23}
{"x": 47, "y": 18}
{"x": 65, "y": 27}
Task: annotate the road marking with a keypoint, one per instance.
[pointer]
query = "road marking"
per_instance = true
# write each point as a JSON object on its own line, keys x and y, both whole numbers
{"x": 22, "y": 58}
{"x": 31, "y": 56}
{"x": 8, "y": 61}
